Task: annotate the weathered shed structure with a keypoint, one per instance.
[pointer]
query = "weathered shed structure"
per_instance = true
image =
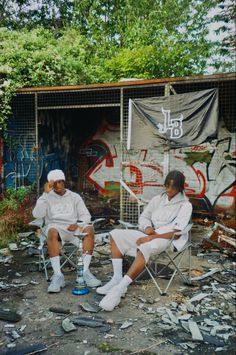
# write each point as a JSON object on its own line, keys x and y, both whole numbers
{"x": 83, "y": 130}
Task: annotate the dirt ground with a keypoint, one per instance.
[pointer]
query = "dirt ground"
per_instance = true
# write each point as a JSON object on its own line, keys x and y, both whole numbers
{"x": 146, "y": 330}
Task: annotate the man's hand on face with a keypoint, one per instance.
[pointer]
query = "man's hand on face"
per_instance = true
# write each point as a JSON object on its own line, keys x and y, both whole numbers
{"x": 48, "y": 186}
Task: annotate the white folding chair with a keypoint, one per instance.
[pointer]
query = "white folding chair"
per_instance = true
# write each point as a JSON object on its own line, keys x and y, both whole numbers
{"x": 174, "y": 259}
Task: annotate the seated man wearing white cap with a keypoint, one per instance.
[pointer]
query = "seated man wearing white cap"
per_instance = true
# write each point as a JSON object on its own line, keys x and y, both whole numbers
{"x": 62, "y": 209}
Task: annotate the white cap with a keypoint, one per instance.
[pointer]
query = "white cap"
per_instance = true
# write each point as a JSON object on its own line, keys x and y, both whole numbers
{"x": 56, "y": 175}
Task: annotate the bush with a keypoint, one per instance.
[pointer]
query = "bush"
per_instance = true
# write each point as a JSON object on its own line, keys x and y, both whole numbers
{"x": 15, "y": 213}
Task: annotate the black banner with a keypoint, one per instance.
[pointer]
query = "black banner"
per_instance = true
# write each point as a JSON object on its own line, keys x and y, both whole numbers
{"x": 177, "y": 120}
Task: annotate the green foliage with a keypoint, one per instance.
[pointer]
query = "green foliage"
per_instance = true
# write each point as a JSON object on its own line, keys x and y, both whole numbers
{"x": 13, "y": 199}
{"x": 64, "y": 42}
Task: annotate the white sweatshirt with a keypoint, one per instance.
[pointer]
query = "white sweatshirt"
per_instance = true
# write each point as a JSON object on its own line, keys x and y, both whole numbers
{"x": 166, "y": 216}
{"x": 66, "y": 209}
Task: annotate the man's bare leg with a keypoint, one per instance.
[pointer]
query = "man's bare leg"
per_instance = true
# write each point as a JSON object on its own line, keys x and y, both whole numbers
{"x": 137, "y": 266}
{"x": 54, "y": 249}
{"x": 88, "y": 242}
{"x": 53, "y": 243}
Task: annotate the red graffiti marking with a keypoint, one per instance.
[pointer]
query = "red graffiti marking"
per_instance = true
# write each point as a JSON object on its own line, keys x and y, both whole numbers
{"x": 138, "y": 185}
{"x": 232, "y": 194}
{"x": 198, "y": 148}
{"x": 202, "y": 181}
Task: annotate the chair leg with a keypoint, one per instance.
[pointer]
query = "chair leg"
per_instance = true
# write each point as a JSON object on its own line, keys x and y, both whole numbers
{"x": 68, "y": 258}
{"x": 44, "y": 265}
{"x": 177, "y": 270}
{"x": 153, "y": 279}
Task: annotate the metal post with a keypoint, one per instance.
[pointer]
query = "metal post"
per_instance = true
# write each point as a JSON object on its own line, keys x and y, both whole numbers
{"x": 37, "y": 145}
{"x": 166, "y": 162}
{"x": 121, "y": 149}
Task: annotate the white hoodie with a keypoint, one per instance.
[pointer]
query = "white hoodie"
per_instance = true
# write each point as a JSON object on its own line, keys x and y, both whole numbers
{"x": 65, "y": 210}
{"x": 166, "y": 216}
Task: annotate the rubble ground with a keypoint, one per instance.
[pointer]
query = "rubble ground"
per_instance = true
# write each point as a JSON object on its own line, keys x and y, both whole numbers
{"x": 196, "y": 319}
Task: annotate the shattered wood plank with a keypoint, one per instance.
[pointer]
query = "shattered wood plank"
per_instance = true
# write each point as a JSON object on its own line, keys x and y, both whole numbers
{"x": 209, "y": 273}
{"x": 227, "y": 240}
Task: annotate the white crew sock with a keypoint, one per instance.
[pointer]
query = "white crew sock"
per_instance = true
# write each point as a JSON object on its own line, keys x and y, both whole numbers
{"x": 55, "y": 261}
{"x": 125, "y": 282}
{"x": 117, "y": 265}
{"x": 86, "y": 260}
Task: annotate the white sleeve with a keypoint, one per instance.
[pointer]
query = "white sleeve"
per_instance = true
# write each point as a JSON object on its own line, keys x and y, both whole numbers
{"x": 145, "y": 220}
{"x": 82, "y": 211}
{"x": 40, "y": 209}
{"x": 183, "y": 217}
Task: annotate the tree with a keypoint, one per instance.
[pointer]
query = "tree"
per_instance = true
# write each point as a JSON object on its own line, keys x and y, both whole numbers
{"x": 95, "y": 41}
{"x": 225, "y": 18}
{"x": 39, "y": 57}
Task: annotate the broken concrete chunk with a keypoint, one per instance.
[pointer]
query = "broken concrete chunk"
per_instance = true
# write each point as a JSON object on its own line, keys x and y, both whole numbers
{"x": 126, "y": 324}
{"x": 13, "y": 246}
{"x": 9, "y": 316}
{"x": 173, "y": 318}
{"x": 67, "y": 325}
{"x": 193, "y": 327}
{"x": 198, "y": 297}
{"x": 190, "y": 307}
{"x": 220, "y": 328}
{"x": 89, "y": 307}
{"x": 185, "y": 317}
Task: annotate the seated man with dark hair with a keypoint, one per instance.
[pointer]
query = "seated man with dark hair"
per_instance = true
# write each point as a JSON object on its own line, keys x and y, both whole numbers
{"x": 61, "y": 210}
{"x": 165, "y": 215}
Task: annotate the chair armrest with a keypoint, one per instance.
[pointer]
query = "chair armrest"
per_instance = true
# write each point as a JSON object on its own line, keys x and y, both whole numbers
{"x": 38, "y": 222}
{"x": 128, "y": 225}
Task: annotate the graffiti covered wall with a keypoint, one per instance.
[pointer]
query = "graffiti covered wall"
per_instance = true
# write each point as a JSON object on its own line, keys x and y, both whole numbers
{"x": 209, "y": 169}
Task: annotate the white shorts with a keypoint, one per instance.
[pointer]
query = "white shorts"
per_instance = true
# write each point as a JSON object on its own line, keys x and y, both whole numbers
{"x": 125, "y": 240}
{"x": 65, "y": 235}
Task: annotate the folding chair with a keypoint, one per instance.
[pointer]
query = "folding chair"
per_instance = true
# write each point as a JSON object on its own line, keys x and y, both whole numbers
{"x": 68, "y": 251}
{"x": 175, "y": 259}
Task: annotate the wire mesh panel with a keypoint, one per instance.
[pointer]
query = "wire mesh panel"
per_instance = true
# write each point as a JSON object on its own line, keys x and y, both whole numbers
{"x": 209, "y": 168}
{"x": 140, "y": 169}
{"x": 72, "y": 99}
{"x": 20, "y": 160}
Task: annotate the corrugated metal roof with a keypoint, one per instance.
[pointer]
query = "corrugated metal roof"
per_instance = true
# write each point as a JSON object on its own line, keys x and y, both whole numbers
{"x": 131, "y": 82}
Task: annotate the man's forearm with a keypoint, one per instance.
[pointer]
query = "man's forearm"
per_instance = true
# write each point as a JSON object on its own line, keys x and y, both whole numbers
{"x": 168, "y": 235}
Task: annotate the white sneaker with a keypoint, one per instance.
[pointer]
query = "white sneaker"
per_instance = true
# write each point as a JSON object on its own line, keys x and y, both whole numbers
{"x": 90, "y": 279}
{"x": 112, "y": 299}
{"x": 107, "y": 287}
{"x": 57, "y": 282}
